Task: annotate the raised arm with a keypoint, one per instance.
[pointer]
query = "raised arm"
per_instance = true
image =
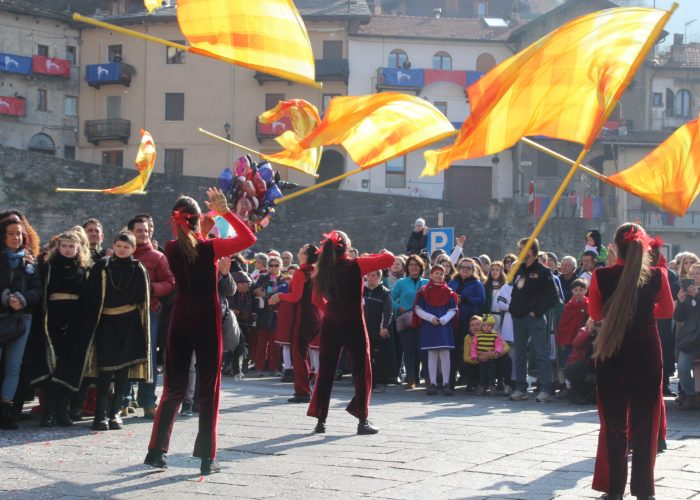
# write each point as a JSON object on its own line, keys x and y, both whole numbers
{"x": 223, "y": 247}
{"x": 375, "y": 262}
{"x": 663, "y": 308}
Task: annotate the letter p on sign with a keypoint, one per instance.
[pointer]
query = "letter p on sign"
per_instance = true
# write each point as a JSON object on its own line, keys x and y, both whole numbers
{"x": 441, "y": 238}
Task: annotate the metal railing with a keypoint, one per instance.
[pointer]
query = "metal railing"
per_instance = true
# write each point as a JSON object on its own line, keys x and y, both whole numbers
{"x": 111, "y": 129}
{"x": 662, "y": 221}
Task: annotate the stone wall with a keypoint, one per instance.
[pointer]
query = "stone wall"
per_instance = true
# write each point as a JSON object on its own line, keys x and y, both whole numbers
{"x": 373, "y": 221}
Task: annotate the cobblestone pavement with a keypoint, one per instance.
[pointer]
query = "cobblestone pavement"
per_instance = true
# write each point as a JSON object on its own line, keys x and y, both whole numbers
{"x": 429, "y": 447}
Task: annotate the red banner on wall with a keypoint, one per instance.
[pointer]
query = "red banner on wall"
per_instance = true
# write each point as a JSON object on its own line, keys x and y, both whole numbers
{"x": 444, "y": 75}
{"x": 51, "y": 66}
{"x": 12, "y": 106}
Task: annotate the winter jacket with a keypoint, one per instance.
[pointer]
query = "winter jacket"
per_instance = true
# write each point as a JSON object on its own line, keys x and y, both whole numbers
{"x": 472, "y": 296}
{"x": 534, "y": 291}
{"x": 161, "y": 279}
{"x": 416, "y": 243}
{"x": 405, "y": 291}
{"x": 572, "y": 318}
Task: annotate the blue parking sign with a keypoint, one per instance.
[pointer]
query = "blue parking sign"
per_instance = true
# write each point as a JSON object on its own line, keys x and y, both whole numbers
{"x": 441, "y": 238}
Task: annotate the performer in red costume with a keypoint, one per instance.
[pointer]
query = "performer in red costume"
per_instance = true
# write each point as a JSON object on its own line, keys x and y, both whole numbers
{"x": 628, "y": 297}
{"x": 307, "y": 320}
{"x": 195, "y": 325}
{"x": 339, "y": 282}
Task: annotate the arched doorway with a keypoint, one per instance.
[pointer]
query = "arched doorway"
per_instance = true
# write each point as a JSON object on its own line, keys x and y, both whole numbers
{"x": 42, "y": 143}
{"x": 332, "y": 165}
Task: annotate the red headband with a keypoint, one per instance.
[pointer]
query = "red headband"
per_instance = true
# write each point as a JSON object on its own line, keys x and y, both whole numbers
{"x": 334, "y": 237}
{"x": 639, "y": 235}
{"x": 13, "y": 217}
{"x": 182, "y": 219}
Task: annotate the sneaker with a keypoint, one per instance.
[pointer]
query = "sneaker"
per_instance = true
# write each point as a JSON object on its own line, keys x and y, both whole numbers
{"x": 543, "y": 397}
{"x": 563, "y": 394}
{"x": 518, "y": 396}
{"x": 186, "y": 410}
{"x": 446, "y": 390}
{"x": 432, "y": 390}
{"x": 481, "y": 390}
{"x": 125, "y": 412}
{"x": 507, "y": 391}
{"x": 149, "y": 412}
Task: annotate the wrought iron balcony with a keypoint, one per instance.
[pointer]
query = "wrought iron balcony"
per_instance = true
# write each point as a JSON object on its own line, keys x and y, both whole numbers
{"x": 111, "y": 129}
{"x": 109, "y": 73}
{"x": 654, "y": 221}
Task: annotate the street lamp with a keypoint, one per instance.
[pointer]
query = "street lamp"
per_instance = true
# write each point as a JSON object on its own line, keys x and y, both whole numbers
{"x": 227, "y": 128}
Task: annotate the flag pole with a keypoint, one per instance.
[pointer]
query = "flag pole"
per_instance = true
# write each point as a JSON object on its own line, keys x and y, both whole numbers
{"x": 546, "y": 214}
{"x": 228, "y": 141}
{"x": 316, "y": 186}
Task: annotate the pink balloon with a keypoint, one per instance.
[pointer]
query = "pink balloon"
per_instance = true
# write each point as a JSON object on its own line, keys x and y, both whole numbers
{"x": 242, "y": 166}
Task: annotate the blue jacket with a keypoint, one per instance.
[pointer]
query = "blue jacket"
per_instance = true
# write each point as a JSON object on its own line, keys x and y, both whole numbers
{"x": 405, "y": 291}
{"x": 472, "y": 295}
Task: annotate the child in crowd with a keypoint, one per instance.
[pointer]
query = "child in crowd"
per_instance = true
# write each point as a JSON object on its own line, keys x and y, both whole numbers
{"x": 117, "y": 312}
{"x": 580, "y": 371}
{"x": 471, "y": 367}
{"x": 506, "y": 364}
{"x": 594, "y": 243}
{"x": 378, "y": 310}
{"x": 573, "y": 317}
{"x": 242, "y": 306}
{"x": 435, "y": 309}
{"x": 487, "y": 346}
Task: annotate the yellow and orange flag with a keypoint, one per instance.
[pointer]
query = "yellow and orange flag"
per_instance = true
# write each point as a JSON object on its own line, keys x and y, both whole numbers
{"x": 145, "y": 159}
{"x": 152, "y": 5}
{"x": 375, "y": 128}
{"x": 304, "y": 117}
{"x": 563, "y": 86}
{"x": 669, "y": 176}
{"x": 264, "y": 35}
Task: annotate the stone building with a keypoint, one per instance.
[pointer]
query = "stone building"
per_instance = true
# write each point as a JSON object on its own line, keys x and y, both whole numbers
{"x": 39, "y": 75}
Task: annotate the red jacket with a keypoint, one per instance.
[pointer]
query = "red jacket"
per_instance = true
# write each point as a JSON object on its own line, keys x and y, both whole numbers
{"x": 161, "y": 279}
{"x": 580, "y": 345}
{"x": 572, "y": 318}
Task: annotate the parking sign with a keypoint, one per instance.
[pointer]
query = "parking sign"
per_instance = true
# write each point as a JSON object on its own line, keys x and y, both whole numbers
{"x": 441, "y": 238}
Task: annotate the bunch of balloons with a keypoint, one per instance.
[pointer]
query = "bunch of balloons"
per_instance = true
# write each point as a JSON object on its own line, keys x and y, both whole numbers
{"x": 252, "y": 189}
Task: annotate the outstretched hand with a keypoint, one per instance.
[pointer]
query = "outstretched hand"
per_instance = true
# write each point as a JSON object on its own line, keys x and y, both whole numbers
{"x": 217, "y": 201}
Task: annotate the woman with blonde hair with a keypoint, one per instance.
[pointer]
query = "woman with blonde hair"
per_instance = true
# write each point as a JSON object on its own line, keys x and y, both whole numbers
{"x": 628, "y": 297}
{"x": 64, "y": 273}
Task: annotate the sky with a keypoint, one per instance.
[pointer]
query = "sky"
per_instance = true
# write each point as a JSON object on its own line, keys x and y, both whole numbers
{"x": 687, "y": 11}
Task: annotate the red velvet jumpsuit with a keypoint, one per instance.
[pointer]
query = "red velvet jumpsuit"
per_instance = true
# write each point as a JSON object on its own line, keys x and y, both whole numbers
{"x": 306, "y": 325}
{"x": 629, "y": 385}
{"x": 195, "y": 325}
{"x": 343, "y": 326}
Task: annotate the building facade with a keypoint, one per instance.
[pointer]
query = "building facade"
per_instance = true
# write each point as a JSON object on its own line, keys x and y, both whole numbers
{"x": 39, "y": 75}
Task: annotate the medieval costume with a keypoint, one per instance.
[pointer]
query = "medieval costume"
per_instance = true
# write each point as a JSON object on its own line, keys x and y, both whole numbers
{"x": 343, "y": 326}
{"x": 117, "y": 323}
{"x": 195, "y": 326}
{"x": 629, "y": 385}
{"x": 60, "y": 367}
{"x": 306, "y": 325}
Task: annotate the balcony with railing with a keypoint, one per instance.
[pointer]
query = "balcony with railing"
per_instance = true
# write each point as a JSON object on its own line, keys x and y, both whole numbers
{"x": 111, "y": 129}
{"x": 327, "y": 70}
{"x": 118, "y": 73}
{"x": 655, "y": 221}
{"x": 414, "y": 79}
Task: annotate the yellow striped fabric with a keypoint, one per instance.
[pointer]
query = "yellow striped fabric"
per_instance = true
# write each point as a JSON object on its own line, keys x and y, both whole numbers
{"x": 669, "y": 176}
{"x": 563, "y": 86}
{"x": 378, "y": 127}
{"x": 305, "y": 119}
{"x": 264, "y": 35}
{"x": 145, "y": 159}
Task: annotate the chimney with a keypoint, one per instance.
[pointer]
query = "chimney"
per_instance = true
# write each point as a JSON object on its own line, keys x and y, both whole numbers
{"x": 677, "y": 49}
{"x": 515, "y": 15}
{"x": 436, "y": 12}
{"x": 377, "y": 7}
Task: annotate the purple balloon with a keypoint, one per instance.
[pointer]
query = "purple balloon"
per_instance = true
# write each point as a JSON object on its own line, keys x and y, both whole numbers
{"x": 272, "y": 193}
{"x": 265, "y": 171}
{"x": 226, "y": 180}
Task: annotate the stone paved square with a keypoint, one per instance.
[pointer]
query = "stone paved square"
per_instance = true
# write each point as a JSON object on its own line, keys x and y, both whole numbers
{"x": 463, "y": 447}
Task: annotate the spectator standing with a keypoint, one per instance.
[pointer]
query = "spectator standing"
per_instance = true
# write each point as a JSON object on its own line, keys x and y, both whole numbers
{"x": 378, "y": 312}
{"x": 688, "y": 338}
{"x": 162, "y": 283}
{"x": 534, "y": 293}
{"x": 404, "y": 295}
{"x": 418, "y": 239}
{"x": 567, "y": 275}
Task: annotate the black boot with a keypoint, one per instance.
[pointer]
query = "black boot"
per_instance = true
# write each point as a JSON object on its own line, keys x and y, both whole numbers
{"x": 49, "y": 406}
{"x": 100, "y": 422}
{"x": 62, "y": 417}
{"x": 77, "y": 400}
{"x": 288, "y": 376}
{"x": 299, "y": 398}
{"x": 365, "y": 427}
{"x": 7, "y": 421}
{"x": 115, "y": 419}
{"x": 209, "y": 466}
{"x": 320, "y": 427}
{"x": 156, "y": 459}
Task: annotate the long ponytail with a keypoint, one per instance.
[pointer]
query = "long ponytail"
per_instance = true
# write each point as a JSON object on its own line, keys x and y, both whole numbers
{"x": 332, "y": 249}
{"x": 619, "y": 311}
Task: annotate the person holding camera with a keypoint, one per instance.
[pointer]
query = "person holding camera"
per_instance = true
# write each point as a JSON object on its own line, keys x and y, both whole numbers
{"x": 688, "y": 336}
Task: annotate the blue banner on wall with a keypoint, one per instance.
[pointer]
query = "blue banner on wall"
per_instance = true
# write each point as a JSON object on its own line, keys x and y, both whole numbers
{"x": 473, "y": 76}
{"x": 102, "y": 73}
{"x": 400, "y": 77}
{"x": 11, "y": 63}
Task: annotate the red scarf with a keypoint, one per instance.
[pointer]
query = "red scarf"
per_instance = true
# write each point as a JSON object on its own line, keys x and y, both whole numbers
{"x": 436, "y": 296}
